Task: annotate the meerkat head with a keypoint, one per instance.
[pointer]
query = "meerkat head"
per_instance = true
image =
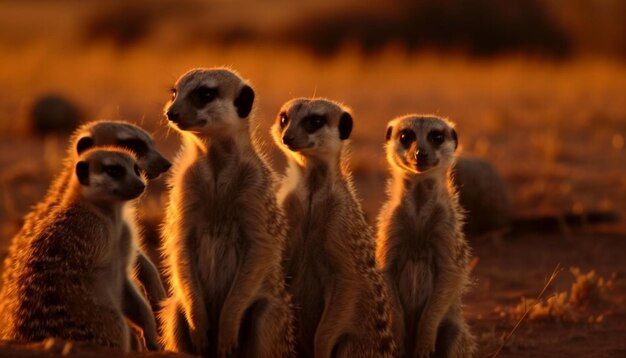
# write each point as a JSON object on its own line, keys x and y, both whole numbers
{"x": 312, "y": 128}
{"x": 210, "y": 101}
{"x": 418, "y": 144}
{"x": 109, "y": 174}
{"x": 125, "y": 135}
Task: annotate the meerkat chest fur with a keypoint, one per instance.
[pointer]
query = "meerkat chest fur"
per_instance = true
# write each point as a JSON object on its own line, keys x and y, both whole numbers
{"x": 424, "y": 216}
{"x": 316, "y": 209}
{"x": 113, "y": 259}
{"x": 218, "y": 186}
{"x": 314, "y": 206}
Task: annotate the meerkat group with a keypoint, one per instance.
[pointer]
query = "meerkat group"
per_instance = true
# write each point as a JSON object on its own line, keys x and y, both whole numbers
{"x": 256, "y": 265}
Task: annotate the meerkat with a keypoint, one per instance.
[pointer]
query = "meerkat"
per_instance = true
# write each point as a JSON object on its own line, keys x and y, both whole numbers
{"x": 341, "y": 304}
{"x": 224, "y": 234}
{"x": 68, "y": 280}
{"x": 135, "y": 139}
{"x": 421, "y": 248}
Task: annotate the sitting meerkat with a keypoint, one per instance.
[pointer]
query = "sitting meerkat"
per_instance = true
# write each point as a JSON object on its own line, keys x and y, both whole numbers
{"x": 99, "y": 134}
{"x": 420, "y": 245}
{"x": 341, "y": 304}
{"x": 68, "y": 279}
{"x": 224, "y": 234}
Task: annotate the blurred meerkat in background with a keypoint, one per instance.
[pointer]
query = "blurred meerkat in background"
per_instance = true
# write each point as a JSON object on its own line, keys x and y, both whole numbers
{"x": 224, "y": 234}
{"x": 420, "y": 245}
{"x": 70, "y": 278}
{"x": 341, "y": 304}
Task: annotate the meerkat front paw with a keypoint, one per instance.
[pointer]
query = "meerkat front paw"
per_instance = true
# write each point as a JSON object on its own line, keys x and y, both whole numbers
{"x": 226, "y": 343}
{"x": 199, "y": 340}
{"x": 425, "y": 345}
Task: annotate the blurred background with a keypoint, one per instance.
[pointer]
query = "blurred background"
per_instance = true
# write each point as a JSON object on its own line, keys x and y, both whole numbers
{"x": 536, "y": 87}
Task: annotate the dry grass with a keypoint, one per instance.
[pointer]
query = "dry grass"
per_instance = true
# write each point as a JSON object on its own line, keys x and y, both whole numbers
{"x": 554, "y": 129}
{"x": 588, "y": 289}
{"x": 506, "y": 339}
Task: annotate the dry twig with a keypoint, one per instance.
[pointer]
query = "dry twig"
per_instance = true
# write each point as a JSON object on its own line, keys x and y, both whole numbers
{"x": 507, "y": 338}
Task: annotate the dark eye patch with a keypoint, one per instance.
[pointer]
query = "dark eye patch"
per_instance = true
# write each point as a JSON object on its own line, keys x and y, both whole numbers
{"x": 312, "y": 123}
{"x": 115, "y": 171}
{"x": 137, "y": 146}
{"x": 436, "y": 137}
{"x": 203, "y": 95}
{"x": 284, "y": 120}
{"x": 407, "y": 137}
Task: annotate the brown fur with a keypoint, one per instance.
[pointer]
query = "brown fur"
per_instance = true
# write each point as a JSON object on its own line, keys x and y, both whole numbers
{"x": 99, "y": 134}
{"x": 68, "y": 278}
{"x": 224, "y": 232}
{"x": 420, "y": 246}
{"x": 342, "y": 306}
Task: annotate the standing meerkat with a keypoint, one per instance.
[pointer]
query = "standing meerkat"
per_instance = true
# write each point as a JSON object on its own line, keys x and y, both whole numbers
{"x": 341, "y": 303}
{"x": 68, "y": 279}
{"x": 100, "y": 134}
{"x": 224, "y": 232}
{"x": 420, "y": 246}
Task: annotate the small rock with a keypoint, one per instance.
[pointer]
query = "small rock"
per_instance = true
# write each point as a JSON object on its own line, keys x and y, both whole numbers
{"x": 483, "y": 194}
{"x": 54, "y": 114}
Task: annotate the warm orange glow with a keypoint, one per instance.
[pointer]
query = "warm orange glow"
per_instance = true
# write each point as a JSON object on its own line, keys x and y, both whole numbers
{"x": 551, "y": 120}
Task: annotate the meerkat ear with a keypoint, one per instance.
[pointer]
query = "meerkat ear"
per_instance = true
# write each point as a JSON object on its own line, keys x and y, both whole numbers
{"x": 388, "y": 134}
{"x": 244, "y": 101}
{"x": 455, "y": 138}
{"x": 82, "y": 172}
{"x": 83, "y": 144}
{"x": 345, "y": 126}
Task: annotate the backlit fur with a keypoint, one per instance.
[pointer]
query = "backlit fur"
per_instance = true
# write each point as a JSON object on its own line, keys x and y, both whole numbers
{"x": 341, "y": 303}
{"x": 68, "y": 278}
{"x": 224, "y": 233}
{"x": 99, "y": 134}
{"x": 420, "y": 245}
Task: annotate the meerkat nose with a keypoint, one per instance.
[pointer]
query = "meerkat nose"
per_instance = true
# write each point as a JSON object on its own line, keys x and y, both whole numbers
{"x": 172, "y": 116}
{"x": 421, "y": 155}
{"x": 288, "y": 140}
{"x": 140, "y": 187}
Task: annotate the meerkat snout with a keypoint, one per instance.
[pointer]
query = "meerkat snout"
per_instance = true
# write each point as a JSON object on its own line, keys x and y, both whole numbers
{"x": 418, "y": 144}
{"x": 172, "y": 115}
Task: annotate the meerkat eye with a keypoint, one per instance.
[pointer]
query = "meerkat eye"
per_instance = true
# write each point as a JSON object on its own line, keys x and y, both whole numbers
{"x": 407, "y": 137}
{"x": 314, "y": 122}
{"x": 139, "y": 147}
{"x": 283, "y": 119}
{"x": 203, "y": 95}
{"x": 137, "y": 171}
{"x": 115, "y": 171}
{"x": 174, "y": 93}
{"x": 436, "y": 137}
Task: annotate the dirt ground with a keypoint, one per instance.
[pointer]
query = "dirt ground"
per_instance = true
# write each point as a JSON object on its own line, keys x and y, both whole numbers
{"x": 506, "y": 268}
{"x": 519, "y": 266}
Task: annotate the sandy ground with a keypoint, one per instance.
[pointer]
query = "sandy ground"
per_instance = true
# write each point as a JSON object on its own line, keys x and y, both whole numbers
{"x": 507, "y": 267}
{"x": 519, "y": 266}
